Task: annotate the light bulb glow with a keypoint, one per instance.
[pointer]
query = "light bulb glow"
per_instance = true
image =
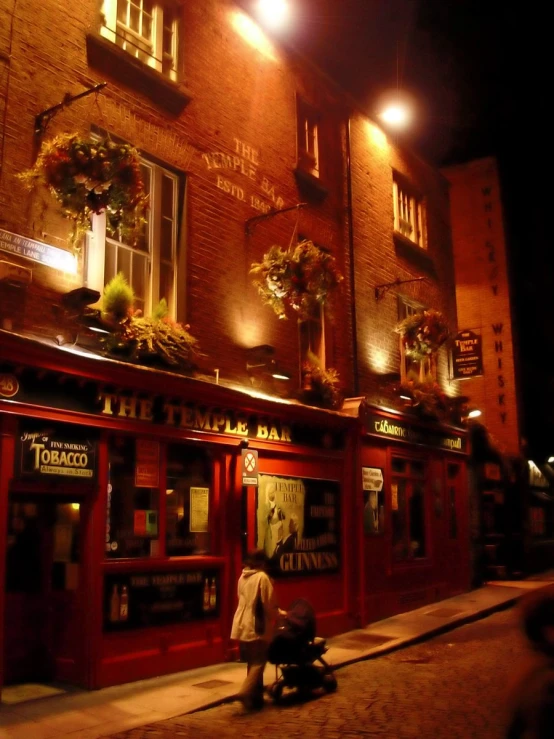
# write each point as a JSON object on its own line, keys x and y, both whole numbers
{"x": 474, "y": 413}
{"x": 274, "y": 13}
{"x": 396, "y": 115}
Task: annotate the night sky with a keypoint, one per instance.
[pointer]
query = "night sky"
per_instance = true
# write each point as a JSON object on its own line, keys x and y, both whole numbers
{"x": 480, "y": 73}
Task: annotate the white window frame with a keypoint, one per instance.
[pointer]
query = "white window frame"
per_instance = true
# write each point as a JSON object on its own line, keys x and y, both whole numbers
{"x": 118, "y": 33}
{"x": 409, "y": 213}
{"x": 308, "y": 139}
{"x": 408, "y": 366}
{"x": 98, "y": 242}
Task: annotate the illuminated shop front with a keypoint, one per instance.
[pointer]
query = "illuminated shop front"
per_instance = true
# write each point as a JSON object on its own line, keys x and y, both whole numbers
{"x": 414, "y": 507}
{"x": 128, "y": 513}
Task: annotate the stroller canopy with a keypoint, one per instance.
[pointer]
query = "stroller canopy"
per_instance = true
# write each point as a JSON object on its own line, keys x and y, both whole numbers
{"x": 300, "y": 620}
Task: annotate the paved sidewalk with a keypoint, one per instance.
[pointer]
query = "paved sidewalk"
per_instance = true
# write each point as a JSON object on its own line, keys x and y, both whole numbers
{"x": 94, "y": 714}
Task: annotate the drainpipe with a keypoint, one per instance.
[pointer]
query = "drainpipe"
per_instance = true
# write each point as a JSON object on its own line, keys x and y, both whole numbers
{"x": 351, "y": 256}
{"x": 357, "y": 443}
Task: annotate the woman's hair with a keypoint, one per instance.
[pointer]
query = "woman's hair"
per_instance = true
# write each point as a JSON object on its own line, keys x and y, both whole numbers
{"x": 256, "y": 559}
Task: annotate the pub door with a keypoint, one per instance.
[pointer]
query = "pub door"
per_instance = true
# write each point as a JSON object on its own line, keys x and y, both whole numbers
{"x": 43, "y": 592}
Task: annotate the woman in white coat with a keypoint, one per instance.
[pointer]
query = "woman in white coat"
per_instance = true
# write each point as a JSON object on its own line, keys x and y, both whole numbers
{"x": 254, "y": 642}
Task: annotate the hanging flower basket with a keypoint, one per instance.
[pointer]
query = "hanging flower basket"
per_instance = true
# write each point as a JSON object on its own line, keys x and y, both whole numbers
{"x": 87, "y": 177}
{"x": 296, "y": 281}
{"x": 423, "y": 333}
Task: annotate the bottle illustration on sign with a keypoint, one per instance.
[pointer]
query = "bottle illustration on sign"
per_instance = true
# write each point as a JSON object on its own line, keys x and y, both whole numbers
{"x": 114, "y": 605}
{"x": 124, "y": 604}
{"x": 213, "y": 594}
{"x": 206, "y": 596}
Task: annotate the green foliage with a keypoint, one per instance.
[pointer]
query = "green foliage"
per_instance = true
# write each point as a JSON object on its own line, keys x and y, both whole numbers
{"x": 423, "y": 333}
{"x": 87, "y": 176}
{"x": 143, "y": 338}
{"x": 296, "y": 281}
{"x": 321, "y": 386}
{"x": 118, "y": 298}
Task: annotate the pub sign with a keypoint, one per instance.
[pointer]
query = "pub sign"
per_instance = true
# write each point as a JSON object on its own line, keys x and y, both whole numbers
{"x": 467, "y": 355}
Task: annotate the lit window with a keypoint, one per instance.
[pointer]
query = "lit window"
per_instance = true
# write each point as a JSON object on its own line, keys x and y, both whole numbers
{"x": 308, "y": 139}
{"x": 408, "y": 213}
{"x": 150, "y": 262}
{"x": 145, "y": 29}
{"x": 133, "y": 503}
{"x": 408, "y": 504}
{"x": 187, "y": 498}
{"x": 312, "y": 338}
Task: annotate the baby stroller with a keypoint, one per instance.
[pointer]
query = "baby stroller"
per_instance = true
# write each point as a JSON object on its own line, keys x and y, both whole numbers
{"x": 294, "y": 651}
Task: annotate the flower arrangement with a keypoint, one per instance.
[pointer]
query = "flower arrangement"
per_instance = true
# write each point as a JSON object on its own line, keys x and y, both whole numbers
{"x": 320, "y": 386}
{"x": 428, "y": 397}
{"x": 296, "y": 281}
{"x": 423, "y": 333}
{"x": 87, "y": 176}
{"x": 142, "y": 338}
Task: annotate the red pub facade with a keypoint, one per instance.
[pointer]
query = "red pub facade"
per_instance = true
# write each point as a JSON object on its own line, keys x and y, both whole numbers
{"x": 129, "y": 491}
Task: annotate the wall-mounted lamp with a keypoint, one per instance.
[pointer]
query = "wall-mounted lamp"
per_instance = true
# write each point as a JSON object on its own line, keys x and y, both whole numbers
{"x": 261, "y": 358}
{"x": 474, "y": 413}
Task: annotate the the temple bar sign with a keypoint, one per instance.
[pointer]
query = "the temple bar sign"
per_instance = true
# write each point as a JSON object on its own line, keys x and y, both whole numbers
{"x": 467, "y": 355}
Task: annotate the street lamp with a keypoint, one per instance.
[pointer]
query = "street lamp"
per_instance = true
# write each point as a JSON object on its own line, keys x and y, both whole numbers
{"x": 273, "y": 13}
{"x": 396, "y": 109}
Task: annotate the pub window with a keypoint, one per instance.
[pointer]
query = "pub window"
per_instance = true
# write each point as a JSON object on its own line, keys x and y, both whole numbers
{"x": 133, "y": 498}
{"x": 308, "y": 138}
{"x": 409, "y": 213}
{"x": 188, "y": 490}
{"x": 149, "y": 262}
{"x": 408, "y": 505}
{"x": 148, "y": 30}
{"x": 312, "y": 338}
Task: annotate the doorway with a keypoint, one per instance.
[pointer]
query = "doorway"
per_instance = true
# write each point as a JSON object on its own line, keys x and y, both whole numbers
{"x": 43, "y": 623}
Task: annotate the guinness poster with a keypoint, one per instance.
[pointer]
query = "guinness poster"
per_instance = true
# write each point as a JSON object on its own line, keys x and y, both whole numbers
{"x": 298, "y": 524}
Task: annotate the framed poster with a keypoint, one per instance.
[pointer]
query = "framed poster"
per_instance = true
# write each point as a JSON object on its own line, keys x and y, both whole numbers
{"x": 374, "y": 500}
{"x": 298, "y": 524}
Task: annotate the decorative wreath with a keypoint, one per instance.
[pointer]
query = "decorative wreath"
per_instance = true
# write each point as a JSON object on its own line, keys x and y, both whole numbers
{"x": 296, "y": 281}
{"x": 423, "y": 333}
{"x": 87, "y": 176}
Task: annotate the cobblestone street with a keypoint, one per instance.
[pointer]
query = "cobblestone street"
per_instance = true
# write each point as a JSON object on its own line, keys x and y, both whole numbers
{"x": 452, "y": 686}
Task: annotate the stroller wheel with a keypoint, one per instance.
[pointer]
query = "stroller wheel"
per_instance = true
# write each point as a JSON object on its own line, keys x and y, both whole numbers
{"x": 276, "y": 691}
{"x": 330, "y": 683}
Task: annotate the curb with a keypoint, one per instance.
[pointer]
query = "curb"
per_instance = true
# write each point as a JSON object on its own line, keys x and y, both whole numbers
{"x": 394, "y": 647}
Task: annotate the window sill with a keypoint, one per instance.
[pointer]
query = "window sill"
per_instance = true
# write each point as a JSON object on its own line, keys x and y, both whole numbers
{"x": 413, "y": 253}
{"x": 310, "y": 187}
{"x": 112, "y": 61}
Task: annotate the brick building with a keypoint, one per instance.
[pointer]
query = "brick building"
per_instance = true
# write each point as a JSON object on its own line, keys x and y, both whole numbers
{"x": 130, "y": 490}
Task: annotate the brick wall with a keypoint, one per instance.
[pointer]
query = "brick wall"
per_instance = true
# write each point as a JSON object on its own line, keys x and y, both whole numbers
{"x": 243, "y": 99}
{"x": 380, "y": 258}
{"x": 483, "y": 294}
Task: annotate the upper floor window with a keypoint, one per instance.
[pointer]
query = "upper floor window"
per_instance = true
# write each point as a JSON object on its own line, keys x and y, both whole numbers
{"x": 312, "y": 338}
{"x": 150, "y": 262}
{"x": 146, "y": 29}
{"x": 308, "y": 139}
{"x": 411, "y": 368}
{"x": 408, "y": 213}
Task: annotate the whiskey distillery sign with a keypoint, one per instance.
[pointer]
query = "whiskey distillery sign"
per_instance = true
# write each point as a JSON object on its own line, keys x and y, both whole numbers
{"x": 76, "y": 394}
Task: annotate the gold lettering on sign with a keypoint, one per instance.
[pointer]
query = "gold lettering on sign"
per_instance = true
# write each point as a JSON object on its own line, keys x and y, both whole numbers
{"x": 244, "y": 161}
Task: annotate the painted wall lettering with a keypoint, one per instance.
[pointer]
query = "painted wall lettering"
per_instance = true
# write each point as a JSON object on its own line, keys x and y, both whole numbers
{"x": 244, "y": 161}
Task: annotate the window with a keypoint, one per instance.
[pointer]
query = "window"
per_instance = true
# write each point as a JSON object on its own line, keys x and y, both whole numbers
{"x": 408, "y": 504}
{"x": 308, "y": 139}
{"x": 408, "y": 213}
{"x": 146, "y": 30}
{"x": 133, "y": 498}
{"x": 149, "y": 264}
{"x": 187, "y": 500}
{"x": 312, "y": 338}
